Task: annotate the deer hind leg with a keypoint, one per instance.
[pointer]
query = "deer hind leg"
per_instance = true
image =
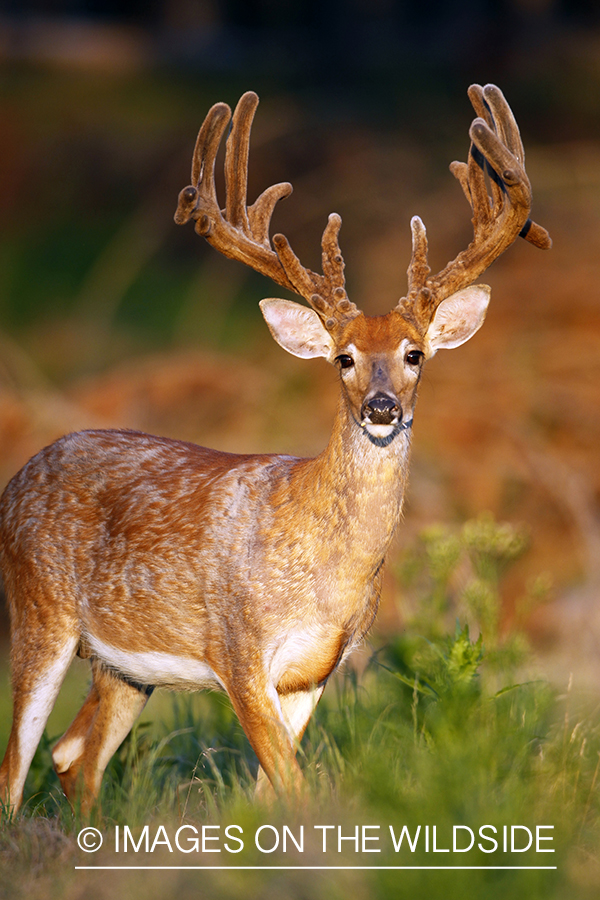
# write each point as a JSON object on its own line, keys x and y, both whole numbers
{"x": 98, "y": 730}
{"x": 37, "y": 678}
{"x": 296, "y": 710}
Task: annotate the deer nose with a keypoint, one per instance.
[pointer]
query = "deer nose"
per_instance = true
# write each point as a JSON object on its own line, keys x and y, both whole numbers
{"x": 381, "y": 410}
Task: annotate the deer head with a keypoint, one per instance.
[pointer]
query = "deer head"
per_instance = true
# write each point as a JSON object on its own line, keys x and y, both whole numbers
{"x": 379, "y": 358}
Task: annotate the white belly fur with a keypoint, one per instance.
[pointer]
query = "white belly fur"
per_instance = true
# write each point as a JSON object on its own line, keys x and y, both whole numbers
{"x": 155, "y": 668}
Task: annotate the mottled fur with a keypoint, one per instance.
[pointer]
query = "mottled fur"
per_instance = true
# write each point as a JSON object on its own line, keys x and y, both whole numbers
{"x": 175, "y": 565}
{"x": 170, "y": 564}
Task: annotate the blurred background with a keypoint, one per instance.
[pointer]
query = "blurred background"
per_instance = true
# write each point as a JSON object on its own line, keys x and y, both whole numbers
{"x": 112, "y": 316}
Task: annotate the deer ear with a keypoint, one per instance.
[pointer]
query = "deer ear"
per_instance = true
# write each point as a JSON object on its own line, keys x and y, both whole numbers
{"x": 297, "y": 328}
{"x": 457, "y": 318}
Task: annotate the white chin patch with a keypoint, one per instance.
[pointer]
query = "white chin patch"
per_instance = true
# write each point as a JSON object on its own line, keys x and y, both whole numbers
{"x": 379, "y": 431}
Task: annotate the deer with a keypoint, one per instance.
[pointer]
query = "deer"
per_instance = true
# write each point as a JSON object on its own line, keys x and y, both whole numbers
{"x": 168, "y": 564}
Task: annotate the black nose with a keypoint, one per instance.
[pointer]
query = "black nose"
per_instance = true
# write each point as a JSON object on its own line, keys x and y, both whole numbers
{"x": 381, "y": 410}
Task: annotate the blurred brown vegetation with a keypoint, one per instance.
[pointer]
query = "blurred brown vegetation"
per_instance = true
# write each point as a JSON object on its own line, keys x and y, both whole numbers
{"x": 110, "y": 316}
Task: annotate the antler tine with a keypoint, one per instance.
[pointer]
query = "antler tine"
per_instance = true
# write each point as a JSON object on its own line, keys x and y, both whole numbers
{"x": 326, "y": 293}
{"x": 236, "y": 162}
{"x": 496, "y": 149}
{"x": 503, "y": 120}
{"x": 333, "y": 269}
{"x": 492, "y": 108}
{"x": 203, "y": 165}
{"x": 531, "y": 231}
{"x": 418, "y": 270}
{"x": 242, "y": 232}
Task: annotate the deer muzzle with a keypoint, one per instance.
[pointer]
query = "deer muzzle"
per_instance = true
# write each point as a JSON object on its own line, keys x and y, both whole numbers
{"x": 381, "y": 409}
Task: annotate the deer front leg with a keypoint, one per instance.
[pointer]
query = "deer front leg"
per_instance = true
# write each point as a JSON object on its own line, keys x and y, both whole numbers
{"x": 296, "y": 708}
{"x": 261, "y": 715}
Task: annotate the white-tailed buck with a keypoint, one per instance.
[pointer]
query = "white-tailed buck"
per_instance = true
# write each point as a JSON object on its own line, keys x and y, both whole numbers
{"x": 168, "y": 564}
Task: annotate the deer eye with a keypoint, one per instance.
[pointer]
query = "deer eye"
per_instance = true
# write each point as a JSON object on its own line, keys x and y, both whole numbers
{"x": 345, "y": 361}
{"x": 414, "y": 357}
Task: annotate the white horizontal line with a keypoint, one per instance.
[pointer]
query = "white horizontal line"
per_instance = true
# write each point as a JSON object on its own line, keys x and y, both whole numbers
{"x": 318, "y": 868}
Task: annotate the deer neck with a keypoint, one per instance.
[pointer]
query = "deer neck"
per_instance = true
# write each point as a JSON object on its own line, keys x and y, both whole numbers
{"x": 357, "y": 487}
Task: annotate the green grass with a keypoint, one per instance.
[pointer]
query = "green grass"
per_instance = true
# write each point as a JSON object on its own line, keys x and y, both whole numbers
{"x": 446, "y": 727}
